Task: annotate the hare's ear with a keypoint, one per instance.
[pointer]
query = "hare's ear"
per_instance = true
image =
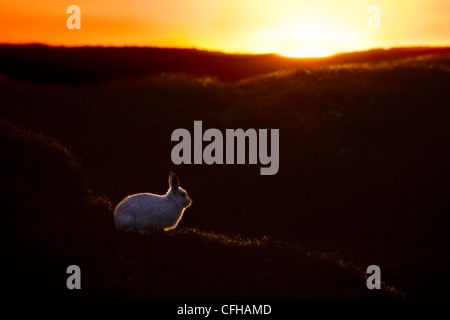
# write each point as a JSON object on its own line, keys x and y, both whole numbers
{"x": 173, "y": 181}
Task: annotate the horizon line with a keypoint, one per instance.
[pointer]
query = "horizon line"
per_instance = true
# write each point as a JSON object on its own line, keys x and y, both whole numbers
{"x": 211, "y": 50}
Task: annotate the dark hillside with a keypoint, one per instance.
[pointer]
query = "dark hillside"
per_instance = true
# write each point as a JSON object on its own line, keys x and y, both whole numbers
{"x": 364, "y": 161}
{"x": 53, "y": 221}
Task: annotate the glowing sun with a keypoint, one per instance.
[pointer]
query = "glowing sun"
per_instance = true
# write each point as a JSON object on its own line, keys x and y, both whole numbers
{"x": 310, "y": 35}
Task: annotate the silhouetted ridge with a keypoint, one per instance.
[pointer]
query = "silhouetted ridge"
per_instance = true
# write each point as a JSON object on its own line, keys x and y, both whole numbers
{"x": 41, "y": 182}
{"x": 37, "y": 62}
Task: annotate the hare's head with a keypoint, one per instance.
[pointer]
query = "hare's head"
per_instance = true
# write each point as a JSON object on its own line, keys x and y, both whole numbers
{"x": 178, "y": 194}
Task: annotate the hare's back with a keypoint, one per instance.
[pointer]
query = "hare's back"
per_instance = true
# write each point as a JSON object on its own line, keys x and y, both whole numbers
{"x": 136, "y": 202}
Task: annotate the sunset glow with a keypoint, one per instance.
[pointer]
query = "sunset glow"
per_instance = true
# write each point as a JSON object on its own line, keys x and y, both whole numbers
{"x": 288, "y": 27}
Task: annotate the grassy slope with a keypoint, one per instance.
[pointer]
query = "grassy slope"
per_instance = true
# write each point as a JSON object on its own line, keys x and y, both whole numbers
{"x": 53, "y": 220}
{"x": 364, "y": 169}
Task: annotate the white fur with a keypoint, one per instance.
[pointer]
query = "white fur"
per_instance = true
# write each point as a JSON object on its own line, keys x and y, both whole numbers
{"x": 146, "y": 211}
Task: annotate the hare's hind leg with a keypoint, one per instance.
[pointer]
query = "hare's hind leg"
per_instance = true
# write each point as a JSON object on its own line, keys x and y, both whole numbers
{"x": 125, "y": 222}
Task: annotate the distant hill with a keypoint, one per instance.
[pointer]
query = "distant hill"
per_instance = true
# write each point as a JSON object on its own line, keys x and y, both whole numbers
{"x": 36, "y": 62}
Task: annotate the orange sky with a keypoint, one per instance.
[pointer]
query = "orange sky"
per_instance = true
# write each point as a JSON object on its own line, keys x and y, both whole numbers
{"x": 289, "y": 27}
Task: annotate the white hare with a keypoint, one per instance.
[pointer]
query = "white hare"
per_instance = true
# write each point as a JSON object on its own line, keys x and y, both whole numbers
{"x": 143, "y": 212}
